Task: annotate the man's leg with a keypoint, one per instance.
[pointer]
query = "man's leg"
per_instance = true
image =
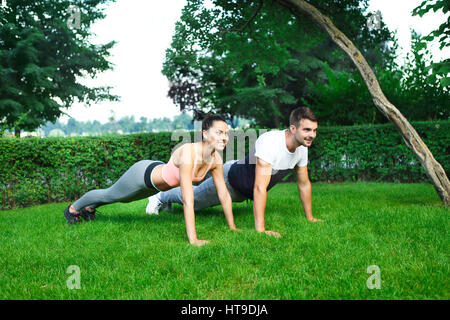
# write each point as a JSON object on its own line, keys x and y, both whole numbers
{"x": 205, "y": 194}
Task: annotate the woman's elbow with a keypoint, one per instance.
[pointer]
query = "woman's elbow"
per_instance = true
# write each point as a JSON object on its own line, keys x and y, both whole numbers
{"x": 224, "y": 197}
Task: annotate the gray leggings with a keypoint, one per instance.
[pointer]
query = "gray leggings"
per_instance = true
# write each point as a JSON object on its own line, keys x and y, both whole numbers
{"x": 131, "y": 186}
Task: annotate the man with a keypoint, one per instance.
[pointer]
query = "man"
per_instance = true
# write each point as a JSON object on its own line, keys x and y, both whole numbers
{"x": 273, "y": 156}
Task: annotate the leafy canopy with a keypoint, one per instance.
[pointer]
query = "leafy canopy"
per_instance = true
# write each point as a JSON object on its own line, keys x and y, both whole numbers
{"x": 42, "y": 59}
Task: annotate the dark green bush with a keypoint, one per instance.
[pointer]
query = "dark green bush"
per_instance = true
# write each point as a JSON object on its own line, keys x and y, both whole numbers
{"x": 375, "y": 153}
{"x": 35, "y": 170}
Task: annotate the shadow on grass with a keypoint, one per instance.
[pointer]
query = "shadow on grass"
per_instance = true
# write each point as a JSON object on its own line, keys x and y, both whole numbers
{"x": 214, "y": 211}
{"x": 164, "y": 217}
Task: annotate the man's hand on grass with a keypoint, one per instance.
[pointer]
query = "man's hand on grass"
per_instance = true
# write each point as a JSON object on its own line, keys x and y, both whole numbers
{"x": 315, "y": 220}
{"x": 199, "y": 243}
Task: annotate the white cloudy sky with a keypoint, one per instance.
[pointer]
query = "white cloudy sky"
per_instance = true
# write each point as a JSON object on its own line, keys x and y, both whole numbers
{"x": 144, "y": 29}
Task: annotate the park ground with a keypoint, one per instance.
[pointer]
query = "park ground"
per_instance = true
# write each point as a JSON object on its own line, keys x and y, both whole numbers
{"x": 400, "y": 230}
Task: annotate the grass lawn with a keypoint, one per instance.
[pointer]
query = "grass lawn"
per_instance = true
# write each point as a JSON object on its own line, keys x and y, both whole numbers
{"x": 126, "y": 254}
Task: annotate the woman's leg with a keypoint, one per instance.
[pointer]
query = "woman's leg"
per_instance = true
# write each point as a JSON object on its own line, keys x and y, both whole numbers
{"x": 131, "y": 186}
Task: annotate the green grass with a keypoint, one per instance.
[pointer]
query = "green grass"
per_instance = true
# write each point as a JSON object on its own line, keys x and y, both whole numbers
{"x": 126, "y": 254}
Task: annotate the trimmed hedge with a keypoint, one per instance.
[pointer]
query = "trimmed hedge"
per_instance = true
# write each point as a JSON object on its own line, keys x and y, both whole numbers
{"x": 36, "y": 170}
{"x": 375, "y": 153}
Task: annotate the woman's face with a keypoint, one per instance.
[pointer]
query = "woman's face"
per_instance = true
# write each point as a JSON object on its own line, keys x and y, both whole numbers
{"x": 217, "y": 135}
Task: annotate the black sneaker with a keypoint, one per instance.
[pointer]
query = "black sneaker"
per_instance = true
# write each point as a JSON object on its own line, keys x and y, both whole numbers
{"x": 72, "y": 218}
{"x": 87, "y": 215}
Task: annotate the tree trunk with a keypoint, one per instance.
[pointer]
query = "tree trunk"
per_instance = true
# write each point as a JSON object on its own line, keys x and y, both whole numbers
{"x": 433, "y": 169}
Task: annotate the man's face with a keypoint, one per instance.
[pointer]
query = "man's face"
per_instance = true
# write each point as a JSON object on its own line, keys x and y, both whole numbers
{"x": 305, "y": 133}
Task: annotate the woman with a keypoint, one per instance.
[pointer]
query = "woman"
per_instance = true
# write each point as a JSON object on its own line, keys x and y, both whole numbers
{"x": 188, "y": 164}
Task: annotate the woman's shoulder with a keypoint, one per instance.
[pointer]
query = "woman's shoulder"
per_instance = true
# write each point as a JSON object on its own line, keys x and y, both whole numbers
{"x": 186, "y": 152}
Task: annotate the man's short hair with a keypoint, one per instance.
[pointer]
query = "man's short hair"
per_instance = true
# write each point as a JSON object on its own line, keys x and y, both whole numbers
{"x": 301, "y": 113}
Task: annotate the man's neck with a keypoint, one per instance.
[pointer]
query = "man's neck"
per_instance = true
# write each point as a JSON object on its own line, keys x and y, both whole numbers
{"x": 291, "y": 143}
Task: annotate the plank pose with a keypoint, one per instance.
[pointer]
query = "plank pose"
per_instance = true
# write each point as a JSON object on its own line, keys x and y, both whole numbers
{"x": 187, "y": 164}
{"x": 272, "y": 157}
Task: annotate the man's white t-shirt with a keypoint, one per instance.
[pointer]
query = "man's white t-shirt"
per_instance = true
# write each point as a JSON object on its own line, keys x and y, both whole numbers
{"x": 271, "y": 148}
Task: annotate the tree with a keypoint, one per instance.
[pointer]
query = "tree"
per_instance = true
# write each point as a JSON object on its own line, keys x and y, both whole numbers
{"x": 343, "y": 99}
{"x": 432, "y": 168}
{"x": 253, "y": 59}
{"x": 442, "y": 33}
{"x": 42, "y": 58}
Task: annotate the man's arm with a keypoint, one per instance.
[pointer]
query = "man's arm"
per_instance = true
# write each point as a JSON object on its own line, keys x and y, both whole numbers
{"x": 304, "y": 190}
{"x": 263, "y": 173}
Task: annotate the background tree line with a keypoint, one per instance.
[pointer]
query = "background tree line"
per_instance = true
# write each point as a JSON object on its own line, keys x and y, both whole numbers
{"x": 127, "y": 124}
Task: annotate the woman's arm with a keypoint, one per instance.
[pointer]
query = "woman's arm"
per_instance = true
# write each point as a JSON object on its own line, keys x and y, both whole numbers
{"x": 187, "y": 193}
{"x": 222, "y": 193}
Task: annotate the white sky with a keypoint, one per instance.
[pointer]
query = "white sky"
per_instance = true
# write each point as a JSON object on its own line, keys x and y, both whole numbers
{"x": 144, "y": 29}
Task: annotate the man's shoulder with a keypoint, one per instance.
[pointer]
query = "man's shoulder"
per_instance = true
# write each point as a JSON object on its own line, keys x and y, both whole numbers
{"x": 269, "y": 139}
{"x": 271, "y": 134}
{"x": 302, "y": 149}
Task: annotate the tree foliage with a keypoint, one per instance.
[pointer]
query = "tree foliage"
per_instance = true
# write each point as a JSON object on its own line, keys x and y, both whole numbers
{"x": 127, "y": 124}
{"x": 442, "y": 34}
{"x": 343, "y": 99}
{"x": 253, "y": 58}
{"x": 42, "y": 60}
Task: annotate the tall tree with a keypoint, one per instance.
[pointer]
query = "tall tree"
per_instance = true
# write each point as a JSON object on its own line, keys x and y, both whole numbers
{"x": 44, "y": 51}
{"x": 432, "y": 168}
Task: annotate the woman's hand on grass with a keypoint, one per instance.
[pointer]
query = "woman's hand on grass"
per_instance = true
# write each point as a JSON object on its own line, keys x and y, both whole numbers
{"x": 199, "y": 243}
{"x": 272, "y": 233}
{"x": 235, "y": 229}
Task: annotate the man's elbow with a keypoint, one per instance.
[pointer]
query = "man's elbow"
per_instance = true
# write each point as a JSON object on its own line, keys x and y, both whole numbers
{"x": 304, "y": 186}
{"x": 259, "y": 189}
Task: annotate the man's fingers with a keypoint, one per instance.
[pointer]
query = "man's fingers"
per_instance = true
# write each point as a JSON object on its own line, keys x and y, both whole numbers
{"x": 200, "y": 243}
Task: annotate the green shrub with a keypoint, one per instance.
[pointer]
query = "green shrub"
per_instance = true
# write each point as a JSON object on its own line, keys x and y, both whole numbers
{"x": 35, "y": 170}
{"x": 375, "y": 153}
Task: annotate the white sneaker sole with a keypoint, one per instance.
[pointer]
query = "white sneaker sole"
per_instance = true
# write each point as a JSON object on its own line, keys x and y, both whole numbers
{"x": 148, "y": 210}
